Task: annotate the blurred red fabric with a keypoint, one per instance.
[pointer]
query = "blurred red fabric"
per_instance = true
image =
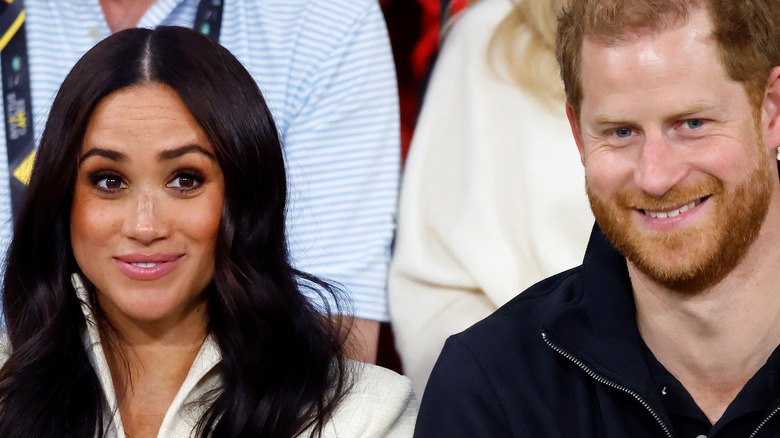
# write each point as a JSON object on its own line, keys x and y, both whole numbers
{"x": 414, "y": 27}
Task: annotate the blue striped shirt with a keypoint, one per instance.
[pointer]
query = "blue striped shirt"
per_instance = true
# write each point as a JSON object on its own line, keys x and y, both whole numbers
{"x": 326, "y": 70}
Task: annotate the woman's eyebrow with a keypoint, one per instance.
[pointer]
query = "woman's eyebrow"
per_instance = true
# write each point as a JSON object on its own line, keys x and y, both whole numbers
{"x": 105, "y": 153}
{"x": 183, "y": 150}
{"x": 164, "y": 155}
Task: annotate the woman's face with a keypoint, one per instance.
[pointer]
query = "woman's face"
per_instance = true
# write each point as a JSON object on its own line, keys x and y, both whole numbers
{"x": 146, "y": 207}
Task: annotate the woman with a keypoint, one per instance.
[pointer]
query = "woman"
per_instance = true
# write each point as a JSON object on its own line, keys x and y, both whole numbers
{"x": 160, "y": 185}
{"x": 493, "y": 195}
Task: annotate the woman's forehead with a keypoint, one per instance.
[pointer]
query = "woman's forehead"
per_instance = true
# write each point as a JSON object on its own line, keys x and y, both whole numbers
{"x": 149, "y": 118}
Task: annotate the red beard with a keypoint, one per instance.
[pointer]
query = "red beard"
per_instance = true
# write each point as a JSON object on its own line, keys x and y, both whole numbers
{"x": 695, "y": 257}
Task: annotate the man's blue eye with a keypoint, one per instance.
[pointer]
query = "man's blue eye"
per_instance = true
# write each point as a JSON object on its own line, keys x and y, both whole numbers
{"x": 623, "y": 132}
{"x": 694, "y": 123}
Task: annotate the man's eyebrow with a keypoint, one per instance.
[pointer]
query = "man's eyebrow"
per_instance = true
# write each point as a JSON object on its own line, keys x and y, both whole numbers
{"x": 606, "y": 119}
{"x": 105, "y": 153}
{"x": 691, "y": 110}
{"x": 183, "y": 150}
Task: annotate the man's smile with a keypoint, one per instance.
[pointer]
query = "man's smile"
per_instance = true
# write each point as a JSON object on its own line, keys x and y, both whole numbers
{"x": 674, "y": 211}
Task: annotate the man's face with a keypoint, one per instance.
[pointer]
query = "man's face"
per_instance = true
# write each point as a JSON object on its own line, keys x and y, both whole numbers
{"x": 677, "y": 173}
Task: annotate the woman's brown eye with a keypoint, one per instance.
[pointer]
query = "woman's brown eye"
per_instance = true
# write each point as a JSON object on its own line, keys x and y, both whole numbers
{"x": 113, "y": 183}
{"x": 110, "y": 182}
{"x": 185, "y": 181}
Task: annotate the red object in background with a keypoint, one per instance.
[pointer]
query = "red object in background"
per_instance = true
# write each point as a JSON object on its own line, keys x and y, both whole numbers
{"x": 414, "y": 27}
{"x": 428, "y": 42}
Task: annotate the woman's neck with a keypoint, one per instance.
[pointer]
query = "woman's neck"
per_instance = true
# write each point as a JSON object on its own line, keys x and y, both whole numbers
{"x": 147, "y": 378}
{"x": 149, "y": 361}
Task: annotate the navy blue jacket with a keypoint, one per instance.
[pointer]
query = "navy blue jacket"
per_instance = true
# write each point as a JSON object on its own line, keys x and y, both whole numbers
{"x": 563, "y": 359}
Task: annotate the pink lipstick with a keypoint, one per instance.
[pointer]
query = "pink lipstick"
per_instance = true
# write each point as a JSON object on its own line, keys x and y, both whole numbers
{"x": 147, "y": 267}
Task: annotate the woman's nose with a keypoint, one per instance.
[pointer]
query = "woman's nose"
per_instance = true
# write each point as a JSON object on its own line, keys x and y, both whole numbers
{"x": 146, "y": 221}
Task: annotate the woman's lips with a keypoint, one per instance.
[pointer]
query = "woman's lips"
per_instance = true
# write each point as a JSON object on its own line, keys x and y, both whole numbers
{"x": 147, "y": 267}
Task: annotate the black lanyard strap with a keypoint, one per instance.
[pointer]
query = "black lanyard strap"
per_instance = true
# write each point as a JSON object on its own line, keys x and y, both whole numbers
{"x": 17, "y": 101}
{"x": 17, "y": 104}
{"x": 208, "y": 19}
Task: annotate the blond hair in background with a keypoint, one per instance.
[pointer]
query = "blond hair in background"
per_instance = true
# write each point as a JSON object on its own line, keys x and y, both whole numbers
{"x": 493, "y": 198}
{"x": 525, "y": 39}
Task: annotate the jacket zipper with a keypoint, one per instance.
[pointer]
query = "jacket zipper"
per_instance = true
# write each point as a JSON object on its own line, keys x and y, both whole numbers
{"x": 611, "y": 384}
{"x": 764, "y": 422}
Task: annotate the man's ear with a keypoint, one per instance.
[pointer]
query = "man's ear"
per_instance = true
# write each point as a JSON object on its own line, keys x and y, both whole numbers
{"x": 575, "y": 130}
{"x": 771, "y": 110}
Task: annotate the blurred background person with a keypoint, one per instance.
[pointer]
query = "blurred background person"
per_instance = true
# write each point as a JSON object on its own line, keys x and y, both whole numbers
{"x": 493, "y": 196}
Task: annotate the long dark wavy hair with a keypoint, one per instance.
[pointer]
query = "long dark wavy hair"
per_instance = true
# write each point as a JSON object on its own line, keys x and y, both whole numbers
{"x": 281, "y": 356}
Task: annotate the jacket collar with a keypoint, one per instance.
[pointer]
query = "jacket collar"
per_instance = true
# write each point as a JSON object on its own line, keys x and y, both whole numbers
{"x": 597, "y": 323}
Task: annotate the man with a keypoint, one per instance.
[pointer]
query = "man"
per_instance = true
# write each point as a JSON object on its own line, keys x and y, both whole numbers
{"x": 327, "y": 72}
{"x": 671, "y": 325}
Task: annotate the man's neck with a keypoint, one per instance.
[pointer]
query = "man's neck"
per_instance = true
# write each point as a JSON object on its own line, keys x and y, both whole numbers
{"x": 715, "y": 340}
{"x": 124, "y": 14}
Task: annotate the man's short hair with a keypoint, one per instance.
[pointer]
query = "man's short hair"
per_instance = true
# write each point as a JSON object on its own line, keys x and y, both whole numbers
{"x": 747, "y": 33}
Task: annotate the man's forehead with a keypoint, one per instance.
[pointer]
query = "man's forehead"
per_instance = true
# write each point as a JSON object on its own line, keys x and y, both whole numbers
{"x": 688, "y": 44}
{"x": 665, "y": 73}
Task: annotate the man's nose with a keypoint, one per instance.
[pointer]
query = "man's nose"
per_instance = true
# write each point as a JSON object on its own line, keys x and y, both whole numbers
{"x": 146, "y": 219}
{"x": 660, "y": 166}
